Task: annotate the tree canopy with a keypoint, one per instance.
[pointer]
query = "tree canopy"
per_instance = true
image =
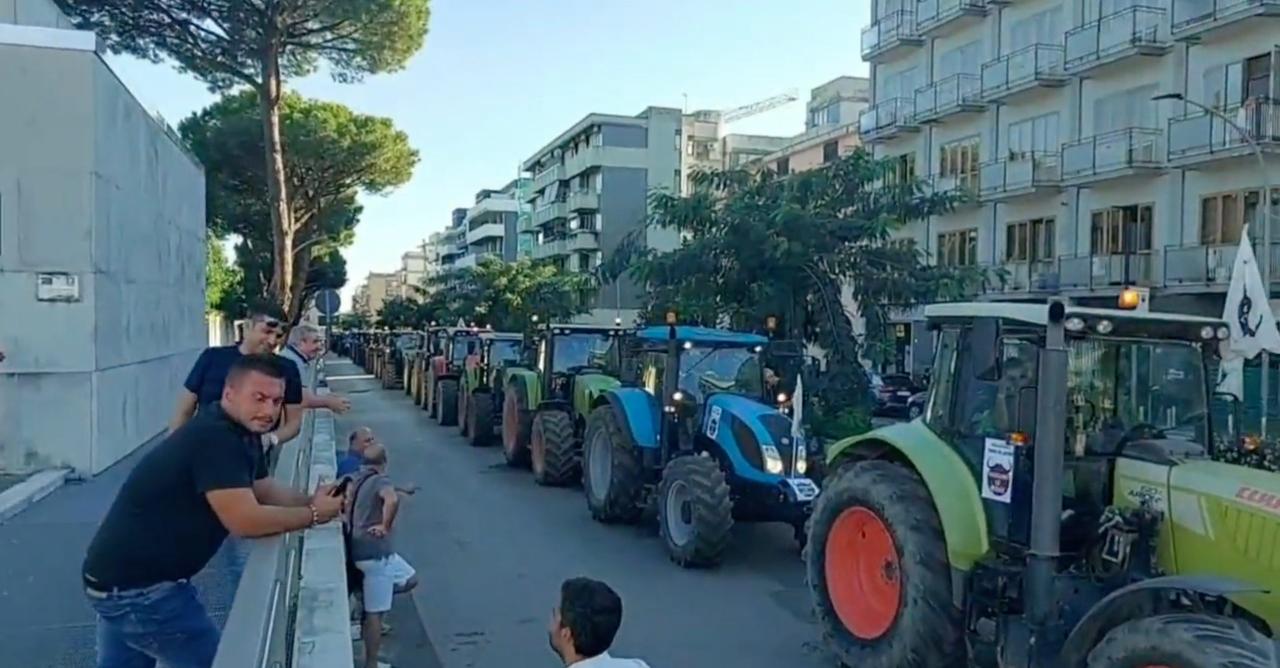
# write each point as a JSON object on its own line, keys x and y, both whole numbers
{"x": 505, "y": 295}
{"x": 223, "y": 281}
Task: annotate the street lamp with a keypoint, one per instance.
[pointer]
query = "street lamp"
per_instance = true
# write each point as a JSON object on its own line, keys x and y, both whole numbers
{"x": 1266, "y": 218}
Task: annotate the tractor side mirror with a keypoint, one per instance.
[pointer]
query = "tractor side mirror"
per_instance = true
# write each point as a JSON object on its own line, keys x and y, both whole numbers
{"x": 1028, "y": 398}
{"x": 984, "y": 347}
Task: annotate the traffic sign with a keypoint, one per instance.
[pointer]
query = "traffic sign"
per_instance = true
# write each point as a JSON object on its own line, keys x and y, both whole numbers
{"x": 328, "y": 302}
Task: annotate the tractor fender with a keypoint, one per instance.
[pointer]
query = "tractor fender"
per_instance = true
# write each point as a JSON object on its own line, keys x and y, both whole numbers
{"x": 525, "y": 382}
{"x": 949, "y": 480}
{"x": 638, "y": 413}
{"x": 1132, "y": 601}
{"x": 587, "y": 390}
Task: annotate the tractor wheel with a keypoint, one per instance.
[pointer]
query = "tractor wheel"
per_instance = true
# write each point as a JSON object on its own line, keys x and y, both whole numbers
{"x": 611, "y": 475}
{"x": 415, "y": 380}
{"x": 695, "y": 513}
{"x": 877, "y": 571}
{"x": 480, "y": 419}
{"x": 464, "y": 398}
{"x": 1184, "y": 640}
{"x": 431, "y": 395}
{"x": 447, "y": 402}
{"x": 515, "y": 427}
{"x": 552, "y": 450}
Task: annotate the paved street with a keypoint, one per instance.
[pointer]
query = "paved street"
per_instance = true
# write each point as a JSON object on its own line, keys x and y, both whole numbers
{"x": 492, "y": 547}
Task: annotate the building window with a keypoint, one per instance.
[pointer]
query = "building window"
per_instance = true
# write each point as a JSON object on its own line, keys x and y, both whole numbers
{"x": 902, "y": 168}
{"x": 959, "y": 160}
{"x": 1132, "y": 108}
{"x": 1033, "y": 135}
{"x": 831, "y": 151}
{"x": 958, "y": 249}
{"x": 1122, "y": 229}
{"x": 783, "y": 166}
{"x": 1040, "y": 28}
{"x": 1029, "y": 240}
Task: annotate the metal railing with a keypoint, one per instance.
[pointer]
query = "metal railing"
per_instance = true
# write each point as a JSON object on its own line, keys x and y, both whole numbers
{"x": 584, "y": 199}
{"x": 548, "y": 176}
{"x": 1201, "y": 133}
{"x": 1091, "y": 272}
{"x": 1028, "y": 65}
{"x": 889, "y": 29}
{"x": 1025, "y": 276}
{"x": 885, "y": 116}
{"x": 1193, "y": 15}
{"x": 933, "y": 13}
{"x": 946, "y": 95}
{"x": 550, "y": 212}
{"x": 1110, "y": 35}
{"x": 1210, "y": 264}
{"x": 1019, "y": 172}
{"x": 1110, "y": 151}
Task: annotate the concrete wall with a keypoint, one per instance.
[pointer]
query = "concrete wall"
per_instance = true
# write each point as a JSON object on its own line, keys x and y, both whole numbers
{"x": 623, "y": 209}
{"x": 92, "y": 186}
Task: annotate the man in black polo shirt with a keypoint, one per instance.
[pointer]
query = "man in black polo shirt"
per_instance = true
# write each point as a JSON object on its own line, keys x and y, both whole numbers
{"x": 205, "y": 480}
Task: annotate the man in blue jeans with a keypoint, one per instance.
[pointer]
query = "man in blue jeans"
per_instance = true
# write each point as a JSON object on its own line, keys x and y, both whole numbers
{"x": 205, "y": 480}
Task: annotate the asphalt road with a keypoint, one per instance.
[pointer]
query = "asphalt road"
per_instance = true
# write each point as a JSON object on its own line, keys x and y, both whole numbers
{"x": 491, "y": 549}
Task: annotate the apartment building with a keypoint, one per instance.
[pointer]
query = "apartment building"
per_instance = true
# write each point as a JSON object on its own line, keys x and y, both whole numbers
{"x": 453, "y": 241}
{"x": 1079, "y": 181}
{"x": 831, "y": 127}
{"x": 377, "y": 289}
{"x": 492, "y": 226}
{"x": 590, "y": 188}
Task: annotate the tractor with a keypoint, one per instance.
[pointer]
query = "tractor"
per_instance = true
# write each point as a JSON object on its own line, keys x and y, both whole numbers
{"x": 694, "y": 432}
{"x": 480, "y": 377}
{"x": 432, "y": 342}
{"x": 1055, "y": 506}
{"x": 545, "y": 404}
{"x": 411, "y": 355}
{"x": 444, "y": 368}
{"x": 395, "y": 351}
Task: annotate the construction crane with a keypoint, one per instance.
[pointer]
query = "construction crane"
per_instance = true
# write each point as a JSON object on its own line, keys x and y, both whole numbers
{"x": 747, "y": 110}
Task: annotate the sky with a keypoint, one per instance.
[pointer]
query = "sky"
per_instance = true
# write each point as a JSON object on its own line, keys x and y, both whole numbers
{"x": 498, "y": 79}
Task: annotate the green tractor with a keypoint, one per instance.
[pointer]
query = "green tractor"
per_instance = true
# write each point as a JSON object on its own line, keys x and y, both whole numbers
{"x": 481, "y": 371}
{"x": 444, "y": 368}
{"x": 396, "y": 350}
{"x": 409, "y": 364}
{"x": 1056, "y": 505}
{"x": 420, "y": 365}
{"x": 545, "y": 408}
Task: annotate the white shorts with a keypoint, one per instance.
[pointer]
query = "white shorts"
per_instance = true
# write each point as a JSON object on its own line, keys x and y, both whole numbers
{"x": 381, "y": 577}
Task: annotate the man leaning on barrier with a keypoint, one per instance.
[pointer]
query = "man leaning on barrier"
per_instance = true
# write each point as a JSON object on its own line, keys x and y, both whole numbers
{"x": 304, "y": 346}
{"x": 205, "y": 480}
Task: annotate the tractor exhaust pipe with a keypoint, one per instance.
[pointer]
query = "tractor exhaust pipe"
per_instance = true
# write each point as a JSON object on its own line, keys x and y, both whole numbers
{"x": 1046, "y": 492}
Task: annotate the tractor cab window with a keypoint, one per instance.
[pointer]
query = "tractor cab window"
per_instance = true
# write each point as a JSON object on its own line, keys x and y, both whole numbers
{"x": 1120, "y": 391}
{"x": 990, "y": 408}
{"x": 580, "y": 350}
{"x": 938, "y": 413}
{"x": 463, "y": 346}
{"x": 650, "y": 368}
{"x": 504, "y": 351}
{"x": 706, "y": 369}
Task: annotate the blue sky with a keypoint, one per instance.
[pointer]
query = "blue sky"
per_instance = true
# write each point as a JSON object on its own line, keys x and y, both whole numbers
{"x": 497, "y": 79}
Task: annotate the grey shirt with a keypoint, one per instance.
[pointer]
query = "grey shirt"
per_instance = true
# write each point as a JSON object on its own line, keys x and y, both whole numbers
{"x": 366, "y": 511}
{"x": 298, "y": 360}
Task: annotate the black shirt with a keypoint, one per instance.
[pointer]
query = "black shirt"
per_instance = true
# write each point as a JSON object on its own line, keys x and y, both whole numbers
{"x": 209, "y": 374}
{"x": 160, "y": 527}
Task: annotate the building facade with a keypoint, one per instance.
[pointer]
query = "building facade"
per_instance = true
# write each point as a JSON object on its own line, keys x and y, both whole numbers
{"x": 1080, "y": 181}
{"x": 453, "y": 241}
{"x": 102, "y": 252}
{"x": 492, "y": 226}
{"x": 590, "y": 191}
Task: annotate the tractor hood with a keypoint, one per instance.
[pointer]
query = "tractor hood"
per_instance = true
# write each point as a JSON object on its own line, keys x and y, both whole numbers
{"x": 743, "y": 427}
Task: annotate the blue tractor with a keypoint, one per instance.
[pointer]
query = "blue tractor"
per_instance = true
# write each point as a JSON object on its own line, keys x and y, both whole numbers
{"x": 696, "y": 436}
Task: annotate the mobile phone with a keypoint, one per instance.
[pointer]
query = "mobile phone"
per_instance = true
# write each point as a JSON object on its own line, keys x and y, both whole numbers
{"x": 341, "y": 487}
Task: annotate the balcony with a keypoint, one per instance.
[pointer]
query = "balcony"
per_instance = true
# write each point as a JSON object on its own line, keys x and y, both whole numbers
{"x": 1193, "y": 19}
{"x": 583, "y": 240}
{"x": 485, "y": 231}
{"x": 546, "y": 177}
{"x": 1020, "y": 175}
{"x": 1107, "y": 272}
{"x": 1202, "y": 267}
{"x": 1035, "y": 66}
{"x": 941, "y": 17}
{"x": 887, "y": 119}
{"x": 550, "y": 212}
{"x": 1127, "y": 152}
{"x": 955, "y": 94}
{"x": 581, "y": 200}
{"x": 1200, "y": 137}
{"x": 1135, "y": 31}
{"x": 891, "y": 32}
{"x": 964, "y": 187}
{"x": 1039, "y": 276}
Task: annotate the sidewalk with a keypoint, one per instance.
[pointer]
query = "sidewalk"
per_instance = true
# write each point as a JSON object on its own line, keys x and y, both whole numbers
{"x": 44, "y": 620}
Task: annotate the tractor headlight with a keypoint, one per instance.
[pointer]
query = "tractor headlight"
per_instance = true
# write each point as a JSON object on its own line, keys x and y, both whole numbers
{"x": 1224, "y": 333}
{"x": 802, "y": 459}
{"x": 782, "y": 397}
{"x": 772, "y": 460}
{"x": 1207, "y": 332}
{"x": 677, "y": 396}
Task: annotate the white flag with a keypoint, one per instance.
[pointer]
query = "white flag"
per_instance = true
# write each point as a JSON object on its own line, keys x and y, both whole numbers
{"x": 1231, "y": 376}
{"x": 1247, "y": 309}
{"x": 797, "y": 409}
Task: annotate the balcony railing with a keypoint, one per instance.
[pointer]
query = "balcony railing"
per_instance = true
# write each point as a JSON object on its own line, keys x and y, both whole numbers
{"x": 583, "y": 199}
{"x": 886, "y": 119}
{"x": 583, "y": 240}
{"x": 1133, "y": 31}
{"x": 953, "y": 94}
{"x": 1193, "y": 18}
{"x": 548, "y": 176}
{"x": 890, "y": 31}
{"x": 1019, "y": 174}
{"x": 1041, "y": 275}
{"x": 1094, "y": 272}
{"x": 1113, "y": 153}
{"x": 1201, "y": 136}
{"x": 549, "y": 212}
{"x": 934, "y": 14}
{"x": 1028, "y": 67}
{"x": 551, "y": 248}
{"x": 1210, "y": 265}
{"x": 964, "y": 186}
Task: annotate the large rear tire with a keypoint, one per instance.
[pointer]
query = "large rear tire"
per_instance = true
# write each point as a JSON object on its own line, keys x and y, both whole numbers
{"x": 1184, "y": 640}
{"x": 695, "y": 513}
{"x": 431, "y": 390}
{"x": 447, "y": 402}
{"x": 553, "y": 453}
{"x": 515, "y": 426}
{"x": 415, "y": 379}
{"x": 611, "y": 474}
{"x": 464, "y": 399}
{"x": 877, "y": 569}
{"x": 480, "y": 419}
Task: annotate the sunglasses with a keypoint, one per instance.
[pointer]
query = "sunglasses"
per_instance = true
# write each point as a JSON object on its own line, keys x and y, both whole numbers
{"x": 271, "y": 323}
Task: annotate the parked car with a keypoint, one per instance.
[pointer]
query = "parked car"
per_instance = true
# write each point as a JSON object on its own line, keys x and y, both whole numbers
{"x": 893, "y": 393}
{"x": 915, "y": 405}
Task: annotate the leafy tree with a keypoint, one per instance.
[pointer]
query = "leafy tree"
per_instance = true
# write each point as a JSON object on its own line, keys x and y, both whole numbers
{"x": 398, "y": 313}
{"x": 813, "y": 249}
{"x": 334, "y": 154}
{"x": 352, "y": 320}
{"x": 223, "y": 281}
{"x": 259, "y": 43}
{"x": 505, "y": 295}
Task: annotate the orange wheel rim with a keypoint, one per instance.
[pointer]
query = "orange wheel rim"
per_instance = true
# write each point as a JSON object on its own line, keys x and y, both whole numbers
{"x": 537, "y": 449}
{"x": 510, "y": 423}
{"x": 863, "y": 576}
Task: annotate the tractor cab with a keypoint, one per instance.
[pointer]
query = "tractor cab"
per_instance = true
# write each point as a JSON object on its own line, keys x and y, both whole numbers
{"x": 492, "y": 352}
{"x": 565, "y": 352}
{"x": 495, "y": 351}
{"x": 453, "y": 347}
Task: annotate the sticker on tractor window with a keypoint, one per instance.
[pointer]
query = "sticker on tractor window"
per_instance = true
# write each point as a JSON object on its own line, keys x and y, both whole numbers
{"x": 713, "y": 422}
{"x": 997, "y": 471}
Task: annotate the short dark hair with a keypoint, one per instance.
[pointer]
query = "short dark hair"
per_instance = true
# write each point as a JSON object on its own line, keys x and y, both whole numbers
{"x": 592, "y": 611}
{"x": 265, "y": 364}
{"x": 375, "y": 455}
{"x": 260, "y": 310}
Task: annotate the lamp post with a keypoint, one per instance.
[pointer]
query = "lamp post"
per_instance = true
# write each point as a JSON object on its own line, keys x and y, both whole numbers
{"x": 1266, "y": 220}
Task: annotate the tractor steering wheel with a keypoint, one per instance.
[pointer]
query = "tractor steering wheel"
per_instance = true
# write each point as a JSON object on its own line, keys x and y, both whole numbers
{"x": 1142, "y": 431}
